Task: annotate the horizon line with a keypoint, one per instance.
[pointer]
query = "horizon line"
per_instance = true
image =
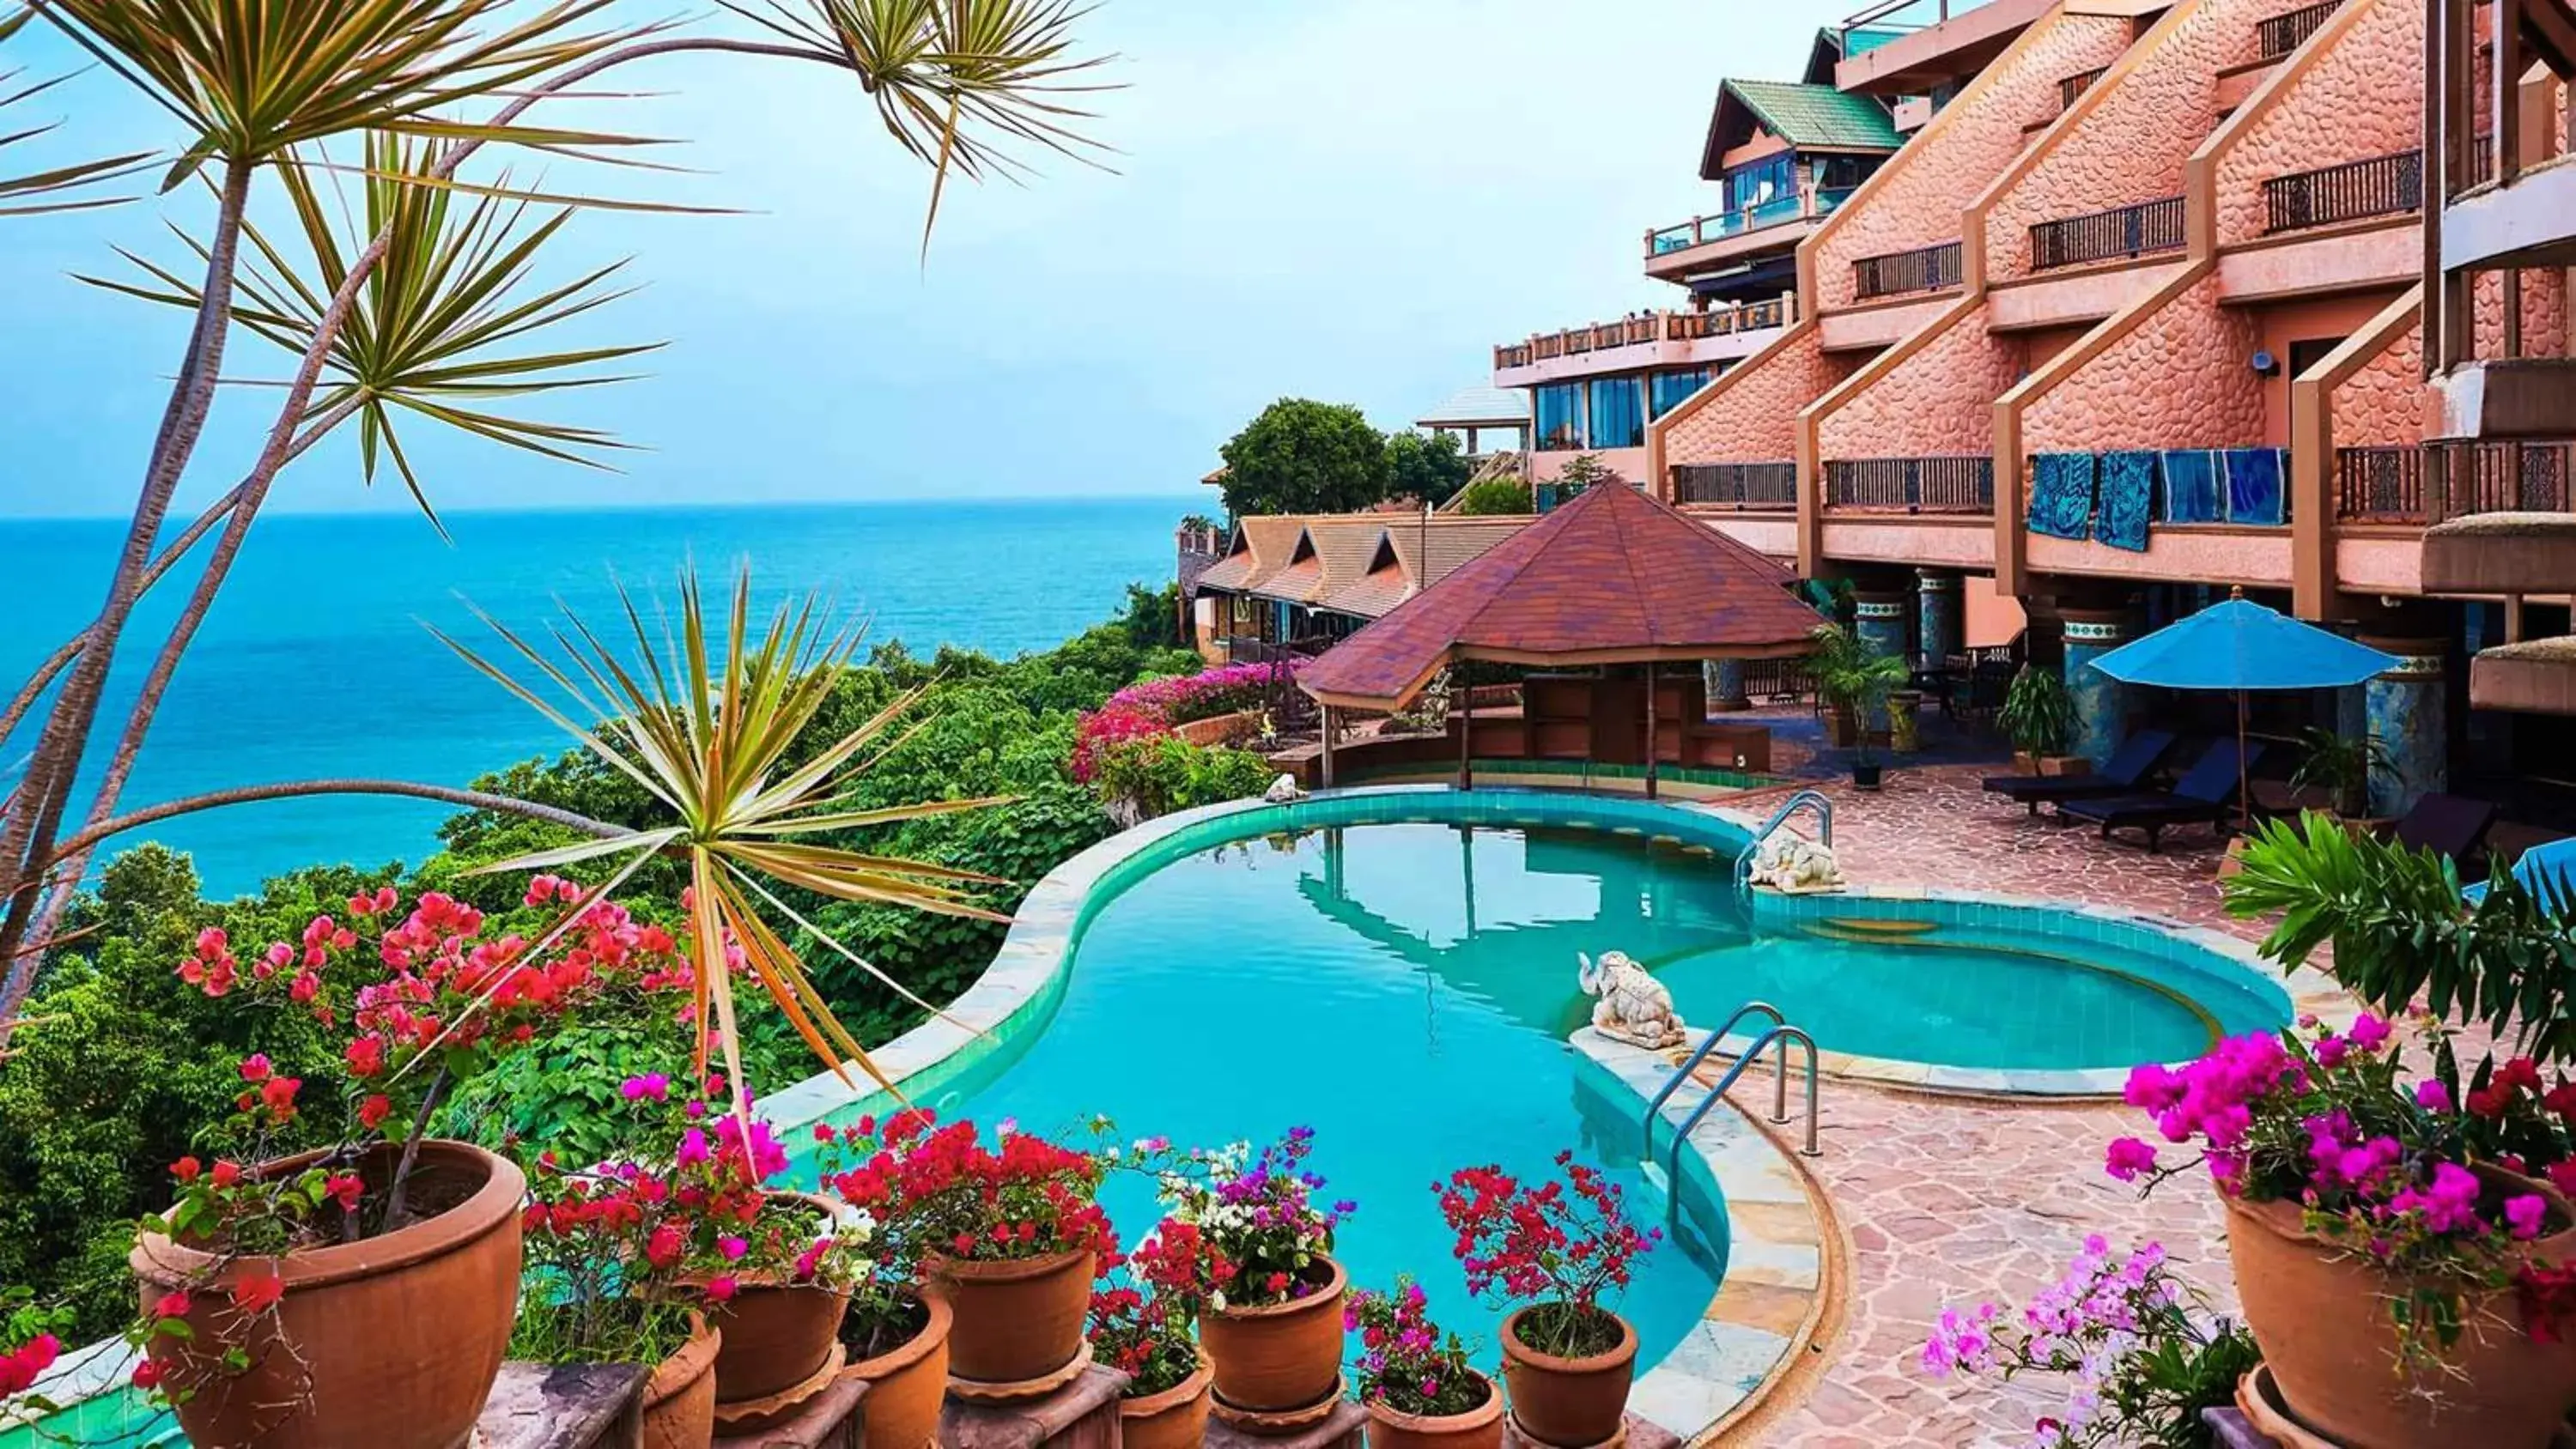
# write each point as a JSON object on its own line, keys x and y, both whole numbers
{"x": 682, "y": 506}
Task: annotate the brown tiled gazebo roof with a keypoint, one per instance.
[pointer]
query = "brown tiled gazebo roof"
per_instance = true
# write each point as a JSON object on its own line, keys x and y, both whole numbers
{"x": 1613, "y": 577}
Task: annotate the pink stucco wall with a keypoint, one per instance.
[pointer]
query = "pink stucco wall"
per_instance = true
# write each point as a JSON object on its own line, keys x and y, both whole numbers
{"x": 1938, "y": 401}
{"x": 2382, "y": 405}
{"x": 2164, "y": 384}
{"x": 1917, "y": 200}
{"x": 1753, "y": 418}
{"x": 2544, "y": 313}
{"x": 2359, "y": 97}
{"x": 2130, "y": 143}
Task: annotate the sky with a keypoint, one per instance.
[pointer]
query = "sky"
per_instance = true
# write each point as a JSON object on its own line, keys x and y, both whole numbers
{"x": 1345, "y": 199}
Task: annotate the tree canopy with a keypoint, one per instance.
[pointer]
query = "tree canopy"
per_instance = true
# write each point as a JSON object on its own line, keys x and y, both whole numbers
{"x": 1428, "y": 466}
{"x": 1303, "y": 456}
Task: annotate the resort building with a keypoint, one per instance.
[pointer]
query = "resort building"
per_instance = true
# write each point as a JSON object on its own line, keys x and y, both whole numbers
{"x": 1485, "y": 420}
{"x": 1300, "y": 583}
{"x": 2138, "y": 314}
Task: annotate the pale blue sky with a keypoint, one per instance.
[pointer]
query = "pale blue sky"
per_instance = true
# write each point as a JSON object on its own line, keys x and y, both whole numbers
{"x": 1347, "y": 199}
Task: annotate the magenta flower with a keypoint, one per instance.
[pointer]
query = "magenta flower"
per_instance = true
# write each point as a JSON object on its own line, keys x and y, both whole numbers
{"x": 2368, "y": 1033}
{"x": 2432, "y": 1096}
{"x": 2128, "y": 1159}
{"x": 2526, "y": 1215}
{"x": 654, "y": 1085}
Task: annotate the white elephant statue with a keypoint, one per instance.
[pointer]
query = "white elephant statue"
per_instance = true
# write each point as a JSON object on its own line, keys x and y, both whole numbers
{"x": 1634, "y": 1007}
{"x": 1283, "y": 791}
{"x": 1795, "y": 865}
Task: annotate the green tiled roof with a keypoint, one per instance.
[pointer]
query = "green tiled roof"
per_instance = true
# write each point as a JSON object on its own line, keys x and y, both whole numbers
{"x": 1806, "y": 115}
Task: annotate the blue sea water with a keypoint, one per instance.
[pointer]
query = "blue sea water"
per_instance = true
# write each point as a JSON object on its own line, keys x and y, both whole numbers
{"x": 315, "y": 662}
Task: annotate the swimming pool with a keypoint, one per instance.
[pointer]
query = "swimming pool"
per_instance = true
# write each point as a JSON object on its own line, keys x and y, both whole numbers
{"x": 1395, "y": 968}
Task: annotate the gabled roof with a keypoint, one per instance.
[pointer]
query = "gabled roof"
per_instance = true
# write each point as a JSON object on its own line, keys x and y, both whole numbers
{"x": 1261, "y": 547}
{"x": 1410, "y": 557}
{"x": 1612, "y": 577}
{"x": 1808, "y": 117}
{"x": 1479, "y": 407}
{"x": 1331, "y": 552}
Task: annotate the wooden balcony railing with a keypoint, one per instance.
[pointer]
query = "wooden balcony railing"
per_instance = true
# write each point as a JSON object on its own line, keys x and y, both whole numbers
{"x": 1737, "y": 485}
{"x": 1642, "y": 330}
{"x": 2388, "y": 185}
{"x": 2073, "y": 87}
{"x": 1511, "y": 354}
{"x": 1804, "y": 205}
{"x": 2125, "y": 231}
{"x": 2284, "y": 33}
{"x": 1960, "y": 484}
{"x": 2389, "y": 484}
{"x": 1925, "y": 269}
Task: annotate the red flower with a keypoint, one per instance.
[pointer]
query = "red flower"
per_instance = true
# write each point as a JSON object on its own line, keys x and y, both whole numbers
{"x": 373, "y": 1111}
{"x": 147, "y": 1375}
{"x": 257, "y": 1292}
{"x": 186, "y": 1169}
{"x": 174, "y": 1304}
{"x": 345, "y": 1186}
{"x": 226, "y": 1174}
{"x": 254, "y": 1068}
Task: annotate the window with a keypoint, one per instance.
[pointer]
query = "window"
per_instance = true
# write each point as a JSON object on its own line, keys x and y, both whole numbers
{"x": 1618, "y": 412}
{"x": 2308, "y": 353}
{"x": 1560, "y": 416}
{"x": 1756, "y": 182}
{"x": 1668, "y": 389}
{"x": 1834, "y": 173}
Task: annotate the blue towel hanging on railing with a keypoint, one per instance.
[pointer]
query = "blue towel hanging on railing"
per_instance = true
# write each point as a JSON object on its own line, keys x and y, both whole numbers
{"x": 2254, "y": 486}
{"x": 2128, "y": 491}
{"x": 2191, "y": 487}
{"x": 2061, "y": 494}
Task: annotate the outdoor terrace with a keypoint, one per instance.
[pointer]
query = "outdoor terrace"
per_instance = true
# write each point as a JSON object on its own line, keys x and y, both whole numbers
{"x": 1704, "y": 240}
{"x": 1956, "y": 484}
{"x": 1924, "y": 269}
{"x": 1766, "y": 485}
{"x": 2145, "y": 229}
{"x": 1653, "y": 337}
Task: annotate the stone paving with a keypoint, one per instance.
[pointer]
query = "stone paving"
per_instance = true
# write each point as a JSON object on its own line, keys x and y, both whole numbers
{"x": 1947, "y": 1201}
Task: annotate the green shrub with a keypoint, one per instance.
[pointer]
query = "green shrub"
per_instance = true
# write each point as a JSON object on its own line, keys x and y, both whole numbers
{"x": 1156, "y": 776}
{"x": 1496, "y": 497}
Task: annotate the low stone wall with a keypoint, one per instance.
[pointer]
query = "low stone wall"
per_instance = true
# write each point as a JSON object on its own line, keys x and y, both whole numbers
{"x": 1223, "y": 729}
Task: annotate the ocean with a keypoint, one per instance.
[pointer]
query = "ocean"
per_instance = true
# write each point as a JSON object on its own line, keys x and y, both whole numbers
{"x": 315, "y": 662}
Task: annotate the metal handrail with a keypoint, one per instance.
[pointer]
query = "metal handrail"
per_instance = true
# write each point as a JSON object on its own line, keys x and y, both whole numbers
{"x": 1672, "y": 1084}
{"x": 1803, "y": 800}
{"x": 1784, "y": 1035}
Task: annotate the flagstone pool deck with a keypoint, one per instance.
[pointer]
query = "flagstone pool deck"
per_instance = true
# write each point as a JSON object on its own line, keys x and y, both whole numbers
{"x": 1943, "y": 1200}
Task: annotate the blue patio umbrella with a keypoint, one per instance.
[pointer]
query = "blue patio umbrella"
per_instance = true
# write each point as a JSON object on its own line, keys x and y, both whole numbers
{"x": 2239, "y": 645}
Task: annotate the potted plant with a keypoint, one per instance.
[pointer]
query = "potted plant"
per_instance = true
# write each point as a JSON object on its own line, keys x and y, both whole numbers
{"x": 362, "y": 1292}
{"x": 1415, "y": 1380}
{"x": 2408, "y": 1285}
{"x": 2340, "y": 767}
{"x": 2039, "y": 718}
{"x": 1555, "y": 1250}
{"x": 1009, "y": 1233}
{"x": 894, "y": 1337}
{"x": 1142, "y": 1325}
{"x": 2145, "y": 1355}
{"x": 1855, "y": 681}
{"x": 1262, "y": 1277}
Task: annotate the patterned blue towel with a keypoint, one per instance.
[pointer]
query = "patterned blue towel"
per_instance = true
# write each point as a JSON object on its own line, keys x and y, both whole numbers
{"x": 2061, "y": 494}
{"x": 2128, "y": 490}
{"x": 2191, "y": 487}
{"x": 2254, "y": 486}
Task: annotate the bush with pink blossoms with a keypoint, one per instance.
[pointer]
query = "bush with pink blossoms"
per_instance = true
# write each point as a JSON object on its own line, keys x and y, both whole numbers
{"x": 1407, "y": 1363}
{"x": 2385, "y": 1168}
{"x": 2143, "y": 1354}
{"x": 1152, "y": 708}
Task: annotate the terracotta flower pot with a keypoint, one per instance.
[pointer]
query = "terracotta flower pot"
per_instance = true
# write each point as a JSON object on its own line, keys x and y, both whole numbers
{"x": 1478, "y": 1428}
{"x": 1016, "y": 1320}
{"x": 391, "y": 1342}
{"x": 906, "y": 1385}
{"x": 2321, "y": 1317}
{"x": 1568, "y": 1401}
{"x": 680, "y": 1398}
{"x": 777, "y": 1334}
{"x": 1176, "y": 1418}
{"x": 1276, "y": 1357}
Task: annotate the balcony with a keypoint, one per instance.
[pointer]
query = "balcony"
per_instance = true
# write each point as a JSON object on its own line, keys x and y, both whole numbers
{"x": 2390, "y": 185}
{"x": 1925, "y": 269}
{"x": 1914, "y": 47}
{"x": 2388, "y": 484}
{"x": 2073, "y": 87}
{"x": 2124, "y": 231}
{"x": 1810, "y": 204}
{"x": 2275, "y": 38}
{"x": 1642, "y": 330}
{"x": 1771, "y": 485}
{"x": 1959, "y": 484}
{"x": 1726, "y": 321}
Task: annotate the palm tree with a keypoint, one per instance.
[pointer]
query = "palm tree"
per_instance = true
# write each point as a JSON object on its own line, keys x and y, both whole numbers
{"x": 422, "y": 314}
{"x": 1854, "y": 678}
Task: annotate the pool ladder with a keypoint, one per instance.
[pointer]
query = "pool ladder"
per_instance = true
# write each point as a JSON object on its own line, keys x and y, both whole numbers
{"x": 1779, "y": 1037}
{"x": 1803, "y": 800}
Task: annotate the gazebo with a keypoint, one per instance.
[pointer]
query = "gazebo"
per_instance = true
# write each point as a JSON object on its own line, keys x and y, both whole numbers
{"x": 1611, "y": 578}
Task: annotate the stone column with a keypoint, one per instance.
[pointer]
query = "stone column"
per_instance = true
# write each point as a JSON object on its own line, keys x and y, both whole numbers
{"x": 2409, "y": 716}
{"x": 2101, "y": 702}
{"x": 1879, "y": 623}
{"x": 1940, "y": 624}
{"x": 1725, "y": 681}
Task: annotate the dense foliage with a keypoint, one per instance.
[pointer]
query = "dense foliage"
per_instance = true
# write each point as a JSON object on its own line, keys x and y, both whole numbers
{"x": 1502, "y": 496}
{"x": 122, "y": 1064}
{"x": 1426, "y": 466}
{"x": 1303, "y": 456}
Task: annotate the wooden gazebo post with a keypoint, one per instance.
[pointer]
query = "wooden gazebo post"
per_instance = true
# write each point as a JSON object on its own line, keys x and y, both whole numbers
{"x": 1466, "y": 731}
{"x": 1653, "y": 745}
{"x": 1327, "y": 716}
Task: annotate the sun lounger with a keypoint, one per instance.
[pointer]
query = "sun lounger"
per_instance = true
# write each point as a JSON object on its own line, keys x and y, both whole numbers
{"x": 2450, "y": 824}
{"x": 2547, "y": 872}
{"x": 2124, "y": 774}
{"x": 2205, "y": 795}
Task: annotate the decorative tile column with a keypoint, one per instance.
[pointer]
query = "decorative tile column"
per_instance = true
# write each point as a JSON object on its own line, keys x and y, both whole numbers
{"x": 1724, "y": 679}
{"x": 2409, "y": 716}
{"x": 1879, "y": 623}
{"x": 2101, "y": 702}
{"x": 1940, "y": 626}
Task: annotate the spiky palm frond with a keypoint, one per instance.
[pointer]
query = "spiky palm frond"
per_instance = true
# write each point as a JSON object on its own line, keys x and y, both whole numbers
{"x": 253, "y": 79}
{"x": 957, "y": 83}
{"x": 437, "y": 325}
{"x": 706, "y": 724}
{"x": 25, "y": 194}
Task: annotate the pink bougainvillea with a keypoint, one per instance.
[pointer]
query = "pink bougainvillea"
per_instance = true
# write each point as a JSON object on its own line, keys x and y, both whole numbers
{"x": 1154, "y": 707}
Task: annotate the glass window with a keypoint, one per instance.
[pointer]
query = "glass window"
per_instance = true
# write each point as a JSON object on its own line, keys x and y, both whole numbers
{"x": 1834, "y": 173}
{"x": 1560, "y": 416}
{"x": 1669, "y": 389}
{"x": 1618, "y": 412}
{"x": 1756, "y": 182}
